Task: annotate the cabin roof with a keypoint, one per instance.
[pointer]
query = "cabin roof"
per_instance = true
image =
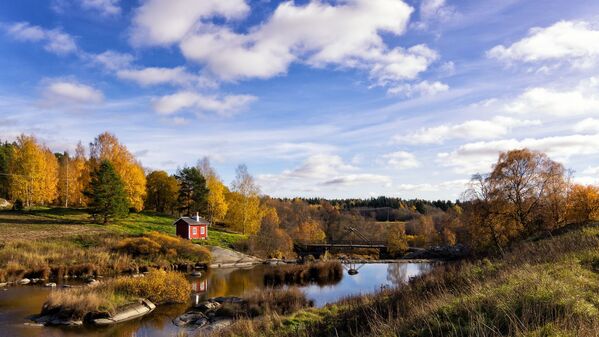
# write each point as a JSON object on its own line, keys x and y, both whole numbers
{"x": 192, "y": 221}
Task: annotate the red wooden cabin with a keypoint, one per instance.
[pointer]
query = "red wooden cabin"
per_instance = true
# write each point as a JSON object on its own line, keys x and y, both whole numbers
{"x": 192, "y": 227}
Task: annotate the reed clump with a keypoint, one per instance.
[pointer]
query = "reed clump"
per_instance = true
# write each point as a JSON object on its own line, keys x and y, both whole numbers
{"x": 158, "y": 286}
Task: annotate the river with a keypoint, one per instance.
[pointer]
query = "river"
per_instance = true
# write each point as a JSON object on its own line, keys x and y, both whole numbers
{"x": 18, "y": 303}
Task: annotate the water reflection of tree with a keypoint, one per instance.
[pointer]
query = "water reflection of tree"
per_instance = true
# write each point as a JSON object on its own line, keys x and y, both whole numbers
{"x": 397, "y": 274}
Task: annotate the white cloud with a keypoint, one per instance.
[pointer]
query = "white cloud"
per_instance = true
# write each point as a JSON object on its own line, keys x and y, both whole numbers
{"x": 155, "y": 75}
{"x": 401, "y": 160}
{"x": 424, "y": 88}
{"x": 583, "y": 99}
{"x": 323, "y": 169}
{"x": 225, "y": 106}
{"x": 163, "y": 22}
{"x": 112, "y": 60}
{"x": 54, "y": 40}
{"x": 588, "y": 125}
{"x": 458, "y": 185}
{"x": 470, "y": 130}
{"x": 346, "y": 35}
{"x": 105, "y": 7}
{"x": 433, "y": 10}
{"x": 474, "y": 157}
{"x": 355, "y": 179}
{"x": 574, "y": 42}
{"x": 70, "y": 92}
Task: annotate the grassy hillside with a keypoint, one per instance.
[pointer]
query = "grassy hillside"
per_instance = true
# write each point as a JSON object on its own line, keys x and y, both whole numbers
{"x": 56, "y": 241}
{"x": 541, "y": 288}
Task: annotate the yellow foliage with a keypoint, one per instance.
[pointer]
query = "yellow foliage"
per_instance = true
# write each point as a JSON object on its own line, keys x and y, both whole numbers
{"x": 158, "y": 286}
{"x": 309, "y": 231}
{"x": 217, "y": 203}
{"x": 583, "y": 204}
{"x": 244, "y": 213}
{"x": 156, "y": 244}
{"x": 34, "y": 170}
{"x": 107, "y": 147}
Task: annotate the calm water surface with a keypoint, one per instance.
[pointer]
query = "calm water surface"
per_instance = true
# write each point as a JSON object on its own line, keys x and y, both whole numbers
{"x": 17, "y": 303}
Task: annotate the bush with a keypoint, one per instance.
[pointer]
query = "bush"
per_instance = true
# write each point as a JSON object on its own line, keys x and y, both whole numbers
{"x": 158, "y": 286}
{"x": 155, "y": 244}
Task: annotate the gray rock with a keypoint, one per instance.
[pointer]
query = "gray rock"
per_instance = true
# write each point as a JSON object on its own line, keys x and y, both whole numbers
{"x": 3, "y": 284}
{"x": 194, "y": 319}
{"x": 208, "y": 306}
{"x": 196, "y": 273}
{"x": 50, "y": 285}
{"x": 24, "y": 281}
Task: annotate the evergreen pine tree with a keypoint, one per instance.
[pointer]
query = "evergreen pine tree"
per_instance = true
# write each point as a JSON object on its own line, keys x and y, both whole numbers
{"x": 107, "y": 194}
{"x": 193, "y": 192}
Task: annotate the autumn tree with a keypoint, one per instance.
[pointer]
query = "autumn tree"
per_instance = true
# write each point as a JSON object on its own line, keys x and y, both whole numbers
{"x": 107, "y": 147}
{"x": 216, "y": 201}
{"x": 521, "y": 179}
{"x": 308, "y": 231}
{"x": 583, "y": 204}
{"x": 162, "y": 191}
{"x": 33, "y": 170}
{"x": 73, "y": 177}
{"x": 271, "y": 241}
{"x": 397, "y": 240}
{"x": 192, "y": 191}
{"x": 244, "y": 212}
{"x": 108, "y": 199}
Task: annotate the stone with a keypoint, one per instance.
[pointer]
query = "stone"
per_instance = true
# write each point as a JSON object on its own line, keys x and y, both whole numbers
{"x": 208, "y": 306}
{"x": 196, "y": 273}
{"x": 3, "y": 284}
{"x": 24, "y": 281}
{"x": 191, "y": 318}
{"x": 50, "y": 285}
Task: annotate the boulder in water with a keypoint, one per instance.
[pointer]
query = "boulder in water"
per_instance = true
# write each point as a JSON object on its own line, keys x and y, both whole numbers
{"x": 24, "y": 281}
{"x": 127, "y": 313}
{"x": 194, "y": 318}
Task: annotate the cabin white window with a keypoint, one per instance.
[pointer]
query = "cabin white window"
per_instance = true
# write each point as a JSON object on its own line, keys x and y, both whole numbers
{"x": 194, "y": 231}
{"x": 202, "y": 230}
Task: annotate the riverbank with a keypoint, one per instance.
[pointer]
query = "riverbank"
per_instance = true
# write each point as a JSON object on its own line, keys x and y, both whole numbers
{"x": 541, "y": 288}
{"x": 57, "y": 243}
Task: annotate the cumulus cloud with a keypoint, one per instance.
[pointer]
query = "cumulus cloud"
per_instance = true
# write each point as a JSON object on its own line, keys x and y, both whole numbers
{"x": 70, "y": 92}
{"x": 54, "y": 40}
{"x": 479, "y": 156}
{"x": 470, "y": 130}
{"x": 573, "y": 42}
{"x": 588, "y": 125}
{"x": 583, "y": 99}
{"x": 163, "y": 22}
{"x": 457, "y": 185}
{"x": 401, "y": 160}
{"x": 224, "y": 106}
{"x": 105, "y": 7}
{"x": 347, "y": 34}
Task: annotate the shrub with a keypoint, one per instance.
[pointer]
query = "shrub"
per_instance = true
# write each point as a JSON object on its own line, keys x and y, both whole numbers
{"x": 155, "y": 244}
{"x": 158, "y": 286}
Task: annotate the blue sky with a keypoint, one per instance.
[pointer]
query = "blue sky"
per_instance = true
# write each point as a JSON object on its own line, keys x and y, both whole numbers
{"x": 352, "y": 98}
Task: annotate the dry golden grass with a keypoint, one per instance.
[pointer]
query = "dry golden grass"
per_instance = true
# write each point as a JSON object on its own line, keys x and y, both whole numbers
{"x": 158, "y": 286}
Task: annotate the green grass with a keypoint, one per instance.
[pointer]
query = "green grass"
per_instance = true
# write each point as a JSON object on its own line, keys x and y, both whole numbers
{"x": 545, "y": 288}
{"x": 217, "y": 237}
{"x": 59, "y": 241}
